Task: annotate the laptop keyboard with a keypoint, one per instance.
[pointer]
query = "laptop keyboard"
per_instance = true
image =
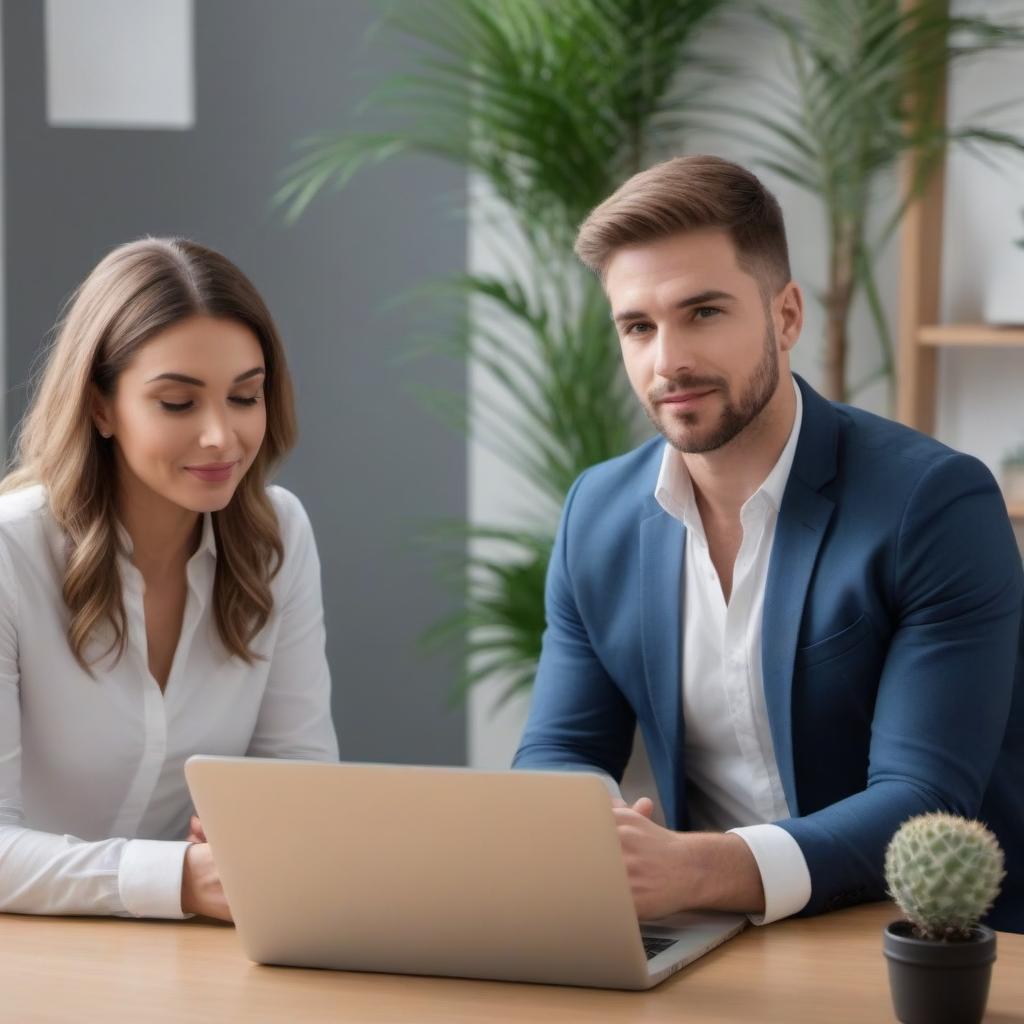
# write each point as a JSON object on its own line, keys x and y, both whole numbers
{"x": 653, "y": 946}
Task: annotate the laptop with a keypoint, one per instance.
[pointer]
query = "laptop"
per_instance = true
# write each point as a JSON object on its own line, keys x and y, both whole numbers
{"x": 512, "y": 876}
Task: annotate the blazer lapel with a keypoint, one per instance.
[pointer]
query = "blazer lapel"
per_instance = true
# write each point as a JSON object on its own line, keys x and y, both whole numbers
{"x": 661, "y": 557}
{"x": 803, "y": 520}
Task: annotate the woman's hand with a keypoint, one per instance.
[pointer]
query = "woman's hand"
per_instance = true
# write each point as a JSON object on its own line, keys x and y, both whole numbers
{"x": 201, "y": 891}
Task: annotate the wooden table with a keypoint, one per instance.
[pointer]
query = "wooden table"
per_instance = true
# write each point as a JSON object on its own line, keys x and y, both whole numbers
{"x": 826, "y": 969}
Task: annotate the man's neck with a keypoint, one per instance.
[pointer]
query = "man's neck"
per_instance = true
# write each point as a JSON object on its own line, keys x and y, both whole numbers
{"x": 725, "y": 478}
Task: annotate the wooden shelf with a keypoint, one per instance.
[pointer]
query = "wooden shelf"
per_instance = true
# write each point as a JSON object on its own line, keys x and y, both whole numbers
{"x": 920, "y": 335}
{"x": 978, "y": 335}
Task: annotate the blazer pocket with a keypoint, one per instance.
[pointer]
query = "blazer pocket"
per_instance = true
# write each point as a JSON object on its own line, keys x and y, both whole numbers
{"x": 835, "y": 645}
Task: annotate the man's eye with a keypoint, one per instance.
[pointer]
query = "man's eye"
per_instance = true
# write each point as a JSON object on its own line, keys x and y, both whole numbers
{"x": 706, "y": 312}
{"x": 638, "y": 328}
{"x": 175, "y": 406}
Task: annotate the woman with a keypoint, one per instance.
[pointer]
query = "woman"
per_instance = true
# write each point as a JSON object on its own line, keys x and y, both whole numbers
{"x": 157, "y": 600}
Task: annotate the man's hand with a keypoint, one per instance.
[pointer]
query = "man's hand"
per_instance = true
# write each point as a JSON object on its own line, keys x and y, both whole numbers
{"x": 672, "y": 871}
{"x": 196, "y": 832}
{"x": 201, "y": 891}
{"x": 644, "y": 806}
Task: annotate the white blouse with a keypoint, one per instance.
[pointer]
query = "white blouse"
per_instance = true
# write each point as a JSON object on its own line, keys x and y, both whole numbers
{"x": 94, "y": 808}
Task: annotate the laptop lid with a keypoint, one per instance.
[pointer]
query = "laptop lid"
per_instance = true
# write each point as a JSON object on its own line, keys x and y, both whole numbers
{"x": 503, "y": 875}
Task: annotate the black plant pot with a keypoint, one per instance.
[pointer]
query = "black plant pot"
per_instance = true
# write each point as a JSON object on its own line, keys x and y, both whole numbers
{"x": 935, "y": 982}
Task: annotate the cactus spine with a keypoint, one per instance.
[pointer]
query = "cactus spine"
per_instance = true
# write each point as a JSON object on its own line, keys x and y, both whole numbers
{"x": 944, "y": 873}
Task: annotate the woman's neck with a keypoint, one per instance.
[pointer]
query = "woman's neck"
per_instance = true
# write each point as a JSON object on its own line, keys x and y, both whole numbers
{"x": 164, "y": 535}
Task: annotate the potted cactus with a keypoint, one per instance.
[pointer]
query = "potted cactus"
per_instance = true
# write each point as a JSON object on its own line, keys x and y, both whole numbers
{"x": 944, "y": 873}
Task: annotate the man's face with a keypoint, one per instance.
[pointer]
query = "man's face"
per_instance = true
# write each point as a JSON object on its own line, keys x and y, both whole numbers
{"x": 700, "y": 349}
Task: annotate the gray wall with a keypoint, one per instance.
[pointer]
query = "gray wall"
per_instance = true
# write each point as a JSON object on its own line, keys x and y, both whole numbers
{"x": 371, "y": 467}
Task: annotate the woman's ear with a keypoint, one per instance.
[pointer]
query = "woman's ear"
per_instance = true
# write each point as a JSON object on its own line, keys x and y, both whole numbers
{"x": 100, "y": 411}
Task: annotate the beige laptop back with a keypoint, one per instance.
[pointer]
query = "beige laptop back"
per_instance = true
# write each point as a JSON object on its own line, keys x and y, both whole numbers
{"x": 506, "y": 875}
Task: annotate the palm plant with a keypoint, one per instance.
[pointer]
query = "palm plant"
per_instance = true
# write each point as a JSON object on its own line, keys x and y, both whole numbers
{"x": 865, "y": 92}
{"x": 551, "y": 105}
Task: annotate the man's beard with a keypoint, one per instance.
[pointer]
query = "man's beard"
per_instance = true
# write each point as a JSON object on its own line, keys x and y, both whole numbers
{"x": 760, "y": 387}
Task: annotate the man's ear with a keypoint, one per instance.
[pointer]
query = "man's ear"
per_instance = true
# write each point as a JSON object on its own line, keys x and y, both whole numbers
{"x": 788, "y": 309}
{"x": 101, "y": 413}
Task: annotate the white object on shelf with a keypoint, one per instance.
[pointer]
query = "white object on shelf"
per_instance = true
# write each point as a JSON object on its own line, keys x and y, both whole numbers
{"x": 1004, "y": 289}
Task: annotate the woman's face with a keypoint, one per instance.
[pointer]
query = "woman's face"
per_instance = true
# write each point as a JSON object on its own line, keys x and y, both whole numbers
{"x": 188, "y": 415}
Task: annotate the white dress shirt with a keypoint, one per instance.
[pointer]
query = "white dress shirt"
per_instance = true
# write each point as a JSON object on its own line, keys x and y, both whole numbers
{"x": 94, "y": 807}
{"x": 731, "y": 772}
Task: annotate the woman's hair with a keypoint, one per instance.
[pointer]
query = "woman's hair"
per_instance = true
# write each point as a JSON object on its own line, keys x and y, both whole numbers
{"x": 685, "y": 194}
{"x": 137, "y": 291}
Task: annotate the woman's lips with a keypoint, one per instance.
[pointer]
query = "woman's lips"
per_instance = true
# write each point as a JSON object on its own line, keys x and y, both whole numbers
{"x": 213, "y": 472}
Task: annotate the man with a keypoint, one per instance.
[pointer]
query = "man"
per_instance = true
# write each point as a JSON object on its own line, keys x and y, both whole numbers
{"x": 813, "y": 613}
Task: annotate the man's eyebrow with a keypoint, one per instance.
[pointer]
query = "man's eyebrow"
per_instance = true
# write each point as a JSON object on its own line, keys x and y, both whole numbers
{"x": 711, "y": 295}
{"x": 181, "y": 378}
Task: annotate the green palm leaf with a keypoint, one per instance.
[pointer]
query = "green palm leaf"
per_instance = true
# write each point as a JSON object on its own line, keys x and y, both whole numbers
{"x": 502, "y": 619}
{"x": 548, "y": 101}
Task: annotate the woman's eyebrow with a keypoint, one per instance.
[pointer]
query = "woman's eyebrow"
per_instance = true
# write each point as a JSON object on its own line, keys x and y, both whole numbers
{"x": 181, "y": 378}
{"x": 256, "y": 371}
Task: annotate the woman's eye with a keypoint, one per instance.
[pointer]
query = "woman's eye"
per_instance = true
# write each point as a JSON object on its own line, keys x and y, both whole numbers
{"x": 239, "y": 400}
{"x": 175, "y": 406}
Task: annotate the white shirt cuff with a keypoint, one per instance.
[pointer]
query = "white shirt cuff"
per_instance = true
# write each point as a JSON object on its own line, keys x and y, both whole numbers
{"x": 149, "y": 878}
{"x": 783, "y": 867}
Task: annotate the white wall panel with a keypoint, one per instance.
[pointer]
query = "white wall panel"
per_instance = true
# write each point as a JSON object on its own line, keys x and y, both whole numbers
{"x": 120, "y": 64}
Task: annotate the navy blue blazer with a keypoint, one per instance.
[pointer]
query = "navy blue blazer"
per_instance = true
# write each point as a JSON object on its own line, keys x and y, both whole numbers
{"x": 891, "y": 645}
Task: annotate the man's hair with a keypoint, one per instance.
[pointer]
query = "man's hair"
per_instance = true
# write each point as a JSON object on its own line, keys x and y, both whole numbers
{"x": 687, "y": 193}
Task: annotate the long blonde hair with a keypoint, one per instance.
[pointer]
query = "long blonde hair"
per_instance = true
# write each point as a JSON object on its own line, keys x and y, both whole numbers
{"x": 135, "y": 292}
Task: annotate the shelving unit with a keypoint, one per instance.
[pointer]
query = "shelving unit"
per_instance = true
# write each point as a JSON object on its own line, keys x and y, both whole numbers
{"x": 920, "y": 335}
{"x": 967, "y": 335}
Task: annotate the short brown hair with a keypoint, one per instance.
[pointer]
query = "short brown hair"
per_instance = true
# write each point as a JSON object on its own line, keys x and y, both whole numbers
{"x": 684, "y": 194}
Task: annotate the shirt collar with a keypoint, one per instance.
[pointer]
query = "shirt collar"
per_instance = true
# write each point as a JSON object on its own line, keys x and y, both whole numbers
{"x": 207, "y": 541}
{"x": 674, "y": 489}
{"x": 774, "y": 486}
